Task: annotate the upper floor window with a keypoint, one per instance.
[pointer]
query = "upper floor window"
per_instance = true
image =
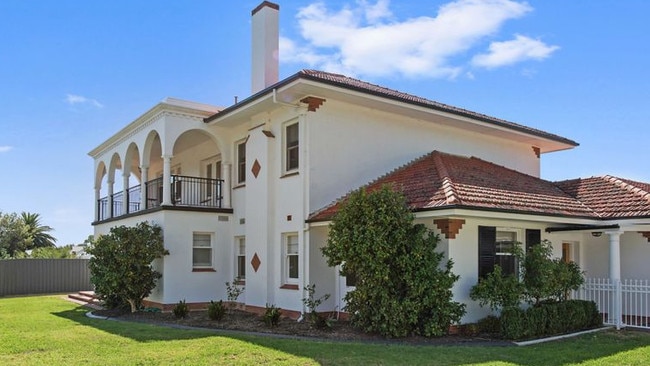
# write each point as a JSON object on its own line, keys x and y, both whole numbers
{"x": 292, "y": 147}
{"x": 241, "y": 162}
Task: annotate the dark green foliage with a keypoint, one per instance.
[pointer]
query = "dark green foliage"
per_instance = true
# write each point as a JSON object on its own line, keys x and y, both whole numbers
{"x": 272, "y": 315}
{"x": 317, "y": 320}
{"x": 49, "y": 252}
{"x": 181, "y": 310}
{"x": 37, "y": 232}
{"x": 498, "y": 291}
{"x": 216, "y": 310}
{"x": 548, "y": 319}
{"x": 489, "y": 325}
{"x": 403, "y": 287}
{"x": 14, "y": 235}
{"x": 121, "y": 263}
{"x": 544, "y": 279}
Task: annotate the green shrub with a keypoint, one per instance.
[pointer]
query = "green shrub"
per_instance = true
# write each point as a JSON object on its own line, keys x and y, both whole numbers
{"x": 272, "y": 315}
{"x": 234, "y": 291}
{"x": 216, "y": 310}
{"x": 489, "y": 325}
{"x": 181, "y": 309}
{"x": 497, "y": 291}
{"x": 403, "y": 284}
{"x": 317, "y": 320}
{"x": 548, "y": 319}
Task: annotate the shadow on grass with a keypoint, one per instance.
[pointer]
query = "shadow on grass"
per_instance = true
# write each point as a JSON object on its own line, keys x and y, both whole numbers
{"x": 141, "y": 332}
{"x": 590, "y": 347}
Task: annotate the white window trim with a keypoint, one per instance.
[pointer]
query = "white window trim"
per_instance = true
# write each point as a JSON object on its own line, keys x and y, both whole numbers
{"x": 285, "y": 154}
{"x": 518, "y": 235}
{"x": 286, "y": 280}
{"x": 211, "y": 248}
{"x": 237, "y": 251}
{"x": 237, "y": 163}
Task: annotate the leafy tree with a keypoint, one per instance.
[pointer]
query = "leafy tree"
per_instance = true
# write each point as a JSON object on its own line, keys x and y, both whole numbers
{"x": 37, "y": 232}
{"x": 14, "y": 235}
{"x": 121, "y": 263}
{"x": 403, "y": 287}
{"x": 49, "y": 252}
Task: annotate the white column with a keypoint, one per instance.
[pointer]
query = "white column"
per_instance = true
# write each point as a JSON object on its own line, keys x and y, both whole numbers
{"x": 144, "y": 177}
{"x": 615, "y": 276}
{"x": 614, "y": 255}
{"x": 167, "y": 180}
{"x": 97, "y": 204}
{"x": 110, "y": 198}
{"x": 225, "y": 188}
{"x": 125, "y": 185}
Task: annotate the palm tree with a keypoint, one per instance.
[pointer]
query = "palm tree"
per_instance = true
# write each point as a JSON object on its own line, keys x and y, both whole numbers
{"x": 38, "y": 232}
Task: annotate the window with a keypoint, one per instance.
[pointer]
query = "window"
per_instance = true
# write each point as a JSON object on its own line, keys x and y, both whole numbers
{"x": 211, "y": 171}
{"x": 495, "y": 248}
{"x": 202, "y": 250}
{"x": 241, "y": 162}
{"x": 240, "y": 258}
{"x": 292, "y": 147}
{"x": 350, "y": 277}
{"x": 291, "y": 258}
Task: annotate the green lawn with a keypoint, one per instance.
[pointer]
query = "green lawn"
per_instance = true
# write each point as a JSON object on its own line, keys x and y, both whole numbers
{"x": 47, "y": 330}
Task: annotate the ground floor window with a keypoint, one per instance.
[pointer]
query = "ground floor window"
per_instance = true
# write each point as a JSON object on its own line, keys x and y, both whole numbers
{"x": 495, "y": 248}
{"x": 240, "y": 258}
{"x": 202, "y": 250}
{"x": 291, "y": 258}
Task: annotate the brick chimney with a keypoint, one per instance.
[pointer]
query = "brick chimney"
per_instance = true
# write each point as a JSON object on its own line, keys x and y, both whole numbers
{"x": 265, "y": 43}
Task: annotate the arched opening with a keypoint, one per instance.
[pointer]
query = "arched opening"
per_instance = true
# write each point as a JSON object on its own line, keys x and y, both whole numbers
{"x": 115, "y": 187}
{"x": 152, "y": 171}
{"x": 197, "y": 170}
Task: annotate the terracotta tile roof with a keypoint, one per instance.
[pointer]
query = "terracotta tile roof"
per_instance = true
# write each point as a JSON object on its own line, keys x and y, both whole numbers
{"x": 609, "y": 196}
{"x": 439, "y": 180}
{"x": 356, "y": 84}
{"x": 369, "y": 88}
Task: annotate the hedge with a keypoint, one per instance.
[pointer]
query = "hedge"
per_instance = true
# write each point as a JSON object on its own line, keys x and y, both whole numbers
{"x": 549, "y": 319}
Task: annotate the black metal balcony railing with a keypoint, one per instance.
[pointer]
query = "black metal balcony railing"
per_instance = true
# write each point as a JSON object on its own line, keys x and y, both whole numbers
{"x": 185, "y": 191}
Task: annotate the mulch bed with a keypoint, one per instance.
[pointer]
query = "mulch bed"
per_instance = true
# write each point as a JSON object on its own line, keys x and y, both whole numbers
{"x": 246, "y": 322}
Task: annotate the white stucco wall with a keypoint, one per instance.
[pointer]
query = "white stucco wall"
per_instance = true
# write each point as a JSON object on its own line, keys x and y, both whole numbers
{"x": 350, "y": 146}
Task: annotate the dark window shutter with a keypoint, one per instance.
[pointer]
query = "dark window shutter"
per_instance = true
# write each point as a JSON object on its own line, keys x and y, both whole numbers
{"x": 533, "y": 237}
{"x": 487, "y": 236}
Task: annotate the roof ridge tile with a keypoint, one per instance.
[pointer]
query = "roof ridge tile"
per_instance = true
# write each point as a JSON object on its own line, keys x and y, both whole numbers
{"x": 451, "y": 195}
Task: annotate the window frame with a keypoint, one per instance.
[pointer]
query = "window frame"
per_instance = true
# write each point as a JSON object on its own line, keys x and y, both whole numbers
{"x": 287, "y": 257}
{"x": 240, "y": 266}
{"x": 288, "y": 150}
{"x": 240, "y": 154}
{"x": 209, "y": 248}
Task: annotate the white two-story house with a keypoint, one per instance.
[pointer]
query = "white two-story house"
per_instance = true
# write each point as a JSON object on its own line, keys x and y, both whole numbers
{"x": 247, "y": 191}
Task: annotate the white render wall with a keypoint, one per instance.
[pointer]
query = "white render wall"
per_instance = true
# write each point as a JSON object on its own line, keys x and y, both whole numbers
{"x": 350, "y": 146}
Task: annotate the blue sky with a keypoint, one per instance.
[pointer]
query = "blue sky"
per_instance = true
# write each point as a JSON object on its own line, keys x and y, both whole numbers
{"x": 74, "y": 72}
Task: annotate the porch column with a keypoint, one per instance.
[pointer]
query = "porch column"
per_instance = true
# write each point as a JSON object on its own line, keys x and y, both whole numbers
{"x": 97, "y": 204}
{"x": 167, "y": 180}
{"x": 125, "y": 184}
{"x": 144, "y": 177}
{"x": 615, "y": 276}
{"x": 225, "y": 188}
{"x": 110, "y": 198}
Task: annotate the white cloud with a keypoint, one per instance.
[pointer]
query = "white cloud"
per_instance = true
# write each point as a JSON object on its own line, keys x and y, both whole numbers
{"x": 73, "y": 100}
{"x": 366, "y": 39}
{"x": 5, "y": 148}
{"x": 510, "y": 52}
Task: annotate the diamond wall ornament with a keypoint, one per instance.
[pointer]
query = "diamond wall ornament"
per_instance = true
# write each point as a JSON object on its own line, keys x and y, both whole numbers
{"x": 255, "y": 262}
{"x": 256, "y": 168}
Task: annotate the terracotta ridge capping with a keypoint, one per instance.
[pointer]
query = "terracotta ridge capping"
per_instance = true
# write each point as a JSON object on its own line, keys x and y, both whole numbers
{"x": 627, "y": 186}
{"x": 448, "y": 187}
{"x": 265, "y": 4}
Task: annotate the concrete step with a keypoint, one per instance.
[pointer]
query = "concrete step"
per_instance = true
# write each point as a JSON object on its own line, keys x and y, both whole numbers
{"x": 87, "y": 298}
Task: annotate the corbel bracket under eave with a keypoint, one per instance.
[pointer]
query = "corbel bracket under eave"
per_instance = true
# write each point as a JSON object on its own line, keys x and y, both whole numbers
{"x": 449, "y": 227}
{"x": 313, "y": 103}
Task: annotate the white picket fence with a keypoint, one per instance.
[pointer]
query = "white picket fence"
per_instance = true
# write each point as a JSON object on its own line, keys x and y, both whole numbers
{"x": 623, "y": 303}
